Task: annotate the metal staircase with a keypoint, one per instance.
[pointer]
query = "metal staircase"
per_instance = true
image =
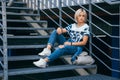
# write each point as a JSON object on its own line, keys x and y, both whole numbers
{"x": 18, "y": 33}
{"x": 15, "y": 36}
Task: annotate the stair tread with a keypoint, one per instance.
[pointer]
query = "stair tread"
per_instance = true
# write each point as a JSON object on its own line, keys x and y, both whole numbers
{"x": 28, "y": 28}
{"x": 37, "y": 36}
{"x": 24, "y": 46}
{"x": 32, "y": 21}
{"x": 20, "y": 14}
{"x": 48, "y": 69}
{"x": 25, "y": 57}
{"x": 19, "y": 8}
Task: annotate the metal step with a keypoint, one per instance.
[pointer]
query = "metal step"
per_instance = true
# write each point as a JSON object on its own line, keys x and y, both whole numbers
{"x": 88, "y": 77}
{"x": 27, "y": 57}
{"x": 22, "y": 71}
{"x": 25, "y": 37}
{"x": 20, "y": 14}
{"x": 25, "y": 21}
{"x": 28, "y": 28}
{"x": 18, "y": 8}
{"x": 22, "y": 58}
{"x": 24, "y": 46}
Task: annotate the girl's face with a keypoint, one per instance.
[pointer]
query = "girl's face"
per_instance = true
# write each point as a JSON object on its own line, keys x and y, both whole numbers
{"x": 81, "y": 18}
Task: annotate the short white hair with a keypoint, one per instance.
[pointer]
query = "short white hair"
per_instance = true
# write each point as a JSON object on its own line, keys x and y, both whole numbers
{"x": 77, "y": 13}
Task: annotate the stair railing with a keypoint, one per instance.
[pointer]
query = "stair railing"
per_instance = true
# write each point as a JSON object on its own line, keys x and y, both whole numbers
{"x": 3, "y": 38}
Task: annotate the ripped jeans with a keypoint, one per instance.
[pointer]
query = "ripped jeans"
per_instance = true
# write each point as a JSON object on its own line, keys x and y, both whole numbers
{"x": 66, "y": 50}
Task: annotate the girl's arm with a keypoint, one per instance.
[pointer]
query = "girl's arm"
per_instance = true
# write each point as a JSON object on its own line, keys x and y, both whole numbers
{"x": 61, "y": 30}
{"x": 81, "y": 43}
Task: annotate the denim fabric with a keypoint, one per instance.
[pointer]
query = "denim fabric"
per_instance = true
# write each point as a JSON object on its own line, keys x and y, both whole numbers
{"x": 54, "y": 37}
{"x": 67, "y": 49}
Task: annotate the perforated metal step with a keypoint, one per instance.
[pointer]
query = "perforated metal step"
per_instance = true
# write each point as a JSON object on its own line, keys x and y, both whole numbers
{"x": 22, "y": 71}
{"x": 25, "y": 21}
{"x": 20, "y": 14}
{"x": 24, "y": 46}
{"x": 20, "y": 58}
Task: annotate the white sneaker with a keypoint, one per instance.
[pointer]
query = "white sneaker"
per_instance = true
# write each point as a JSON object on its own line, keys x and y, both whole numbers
{"x": 45, "y": 52}
{"x": 40, "y": 63}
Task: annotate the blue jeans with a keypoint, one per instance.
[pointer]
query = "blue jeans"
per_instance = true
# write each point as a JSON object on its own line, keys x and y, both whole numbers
{"x": 66, "y": 50}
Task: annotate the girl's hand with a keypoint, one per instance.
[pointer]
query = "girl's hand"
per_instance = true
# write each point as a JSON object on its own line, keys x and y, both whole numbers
{"x": 59, "y": 30}
{"x": 61, "y": 46}
{"x": 67, "y": 43}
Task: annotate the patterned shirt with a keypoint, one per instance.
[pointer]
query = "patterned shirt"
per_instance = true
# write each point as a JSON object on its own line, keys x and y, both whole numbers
{"x": 76, "y": 33}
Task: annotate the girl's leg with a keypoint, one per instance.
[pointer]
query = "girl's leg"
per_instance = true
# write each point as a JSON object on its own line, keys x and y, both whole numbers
{"x": 54, "y": 37}
{"x": 62, "y": 51}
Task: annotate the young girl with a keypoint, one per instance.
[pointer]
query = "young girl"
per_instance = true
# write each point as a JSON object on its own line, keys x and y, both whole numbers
{"x": 78, "y": 32}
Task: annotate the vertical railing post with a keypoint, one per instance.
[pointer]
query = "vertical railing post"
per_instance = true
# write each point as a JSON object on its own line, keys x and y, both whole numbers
{"x": 60, "y": 13}
{"x": 4, "y": 22}
{"x": 90, "y": 21}
{"x": 38, "y": 2}
{"x": 119, "y": 40}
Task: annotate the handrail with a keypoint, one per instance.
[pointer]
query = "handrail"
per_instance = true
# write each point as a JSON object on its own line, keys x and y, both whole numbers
{"x": 105, "y": 43}
{"x": 105, "y": 53}
{"x": 65, "y": 12}
{"x": 104, "y": 31}
{"x": 105, "y": 10}
{"x": 56, "y": 14}
{"x": 93, "y": 54}
{"x": 105, "y": 64}
{"x": 97, "y": 16}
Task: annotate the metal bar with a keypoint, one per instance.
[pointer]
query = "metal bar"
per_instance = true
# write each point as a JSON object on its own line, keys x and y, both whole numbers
{"x": 105, "y": 31}
{"x": 60, "y": 13}
{"x": 5, "y": 40}
{"x": 39, "y": 8}
{"x": 105, "y": 53}
{"x": 90, "y": 21}
{"x": 1, "y": 25}
{"x": 105, "y": 64}
{"x": 1, "y": 64}
{"x": 1, "y": 37}
{"x": 1, "y": 51}
{"x": 105, "y": 10}
{"x": 105, "y": 43}
{"x": 56, "y": 15}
